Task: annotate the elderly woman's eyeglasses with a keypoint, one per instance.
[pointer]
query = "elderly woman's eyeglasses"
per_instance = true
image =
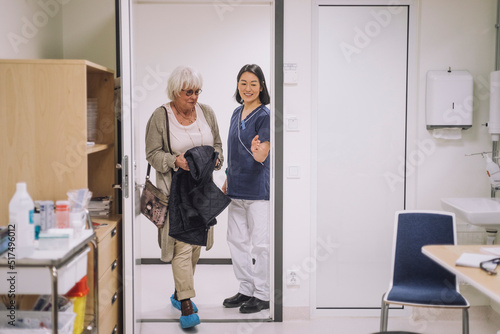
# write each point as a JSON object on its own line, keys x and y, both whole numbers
{"x": 484, "y": 265}
{"x": 190, "y": 92}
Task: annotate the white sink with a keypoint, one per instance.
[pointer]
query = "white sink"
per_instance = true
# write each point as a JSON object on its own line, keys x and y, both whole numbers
{"x": 479, "y": 211}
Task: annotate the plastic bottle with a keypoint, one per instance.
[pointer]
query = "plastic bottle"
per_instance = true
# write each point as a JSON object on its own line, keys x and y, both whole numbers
{"x": 493, "y": 171}
{"x": 21, "y": 212}
{"x": 62, "y": 214}
{"x": 36, "y": 220}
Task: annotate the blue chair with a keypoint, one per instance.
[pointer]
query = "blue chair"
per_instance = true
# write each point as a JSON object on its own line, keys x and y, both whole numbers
{"x": 417, "y": 280}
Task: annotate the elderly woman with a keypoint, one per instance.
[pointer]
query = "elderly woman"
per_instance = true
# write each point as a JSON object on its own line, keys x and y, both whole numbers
{"x": 191, "y": 124}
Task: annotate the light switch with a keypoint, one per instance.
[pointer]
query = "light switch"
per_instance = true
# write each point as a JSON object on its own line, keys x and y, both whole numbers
{"x": 290, "y": 75}
{"x": 293, "y": 172}
{"x": 292, "y": 123}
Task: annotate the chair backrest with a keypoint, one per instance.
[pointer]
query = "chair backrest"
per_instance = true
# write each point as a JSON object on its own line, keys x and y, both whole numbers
{"x": 413, "y": 230}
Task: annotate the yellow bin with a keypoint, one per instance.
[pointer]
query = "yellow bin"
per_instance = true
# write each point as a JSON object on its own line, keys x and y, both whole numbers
{"x": 78, "y": 295}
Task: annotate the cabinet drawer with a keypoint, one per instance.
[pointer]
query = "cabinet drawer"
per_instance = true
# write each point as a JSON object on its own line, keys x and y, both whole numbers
{"x": 109, "y": 290}
{"x": 108, "y": 251}
{"x": 110, "y": 321}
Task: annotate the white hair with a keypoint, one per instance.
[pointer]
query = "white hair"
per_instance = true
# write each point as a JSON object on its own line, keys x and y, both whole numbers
{"x": 183, "y": 77}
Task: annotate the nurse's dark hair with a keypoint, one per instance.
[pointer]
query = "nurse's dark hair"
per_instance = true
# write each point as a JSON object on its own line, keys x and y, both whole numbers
{"x": 254, "y": 69}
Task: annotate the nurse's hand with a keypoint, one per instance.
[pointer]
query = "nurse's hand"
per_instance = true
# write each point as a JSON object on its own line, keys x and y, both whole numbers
{"x": 260, "y": 150}
{"x": 255, "y": 144}
{"x": 181, "y": 162}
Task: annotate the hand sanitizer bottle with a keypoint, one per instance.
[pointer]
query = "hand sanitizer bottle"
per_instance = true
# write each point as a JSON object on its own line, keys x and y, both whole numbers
{"x": 493, "y": 171}
{"x": 21, "y": 212}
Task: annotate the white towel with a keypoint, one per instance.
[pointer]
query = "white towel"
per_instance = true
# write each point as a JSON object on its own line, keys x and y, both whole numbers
{"x": 447, "y": 133}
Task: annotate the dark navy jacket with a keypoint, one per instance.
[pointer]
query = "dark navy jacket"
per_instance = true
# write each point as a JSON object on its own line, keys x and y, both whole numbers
{"x": 195, "y": 200}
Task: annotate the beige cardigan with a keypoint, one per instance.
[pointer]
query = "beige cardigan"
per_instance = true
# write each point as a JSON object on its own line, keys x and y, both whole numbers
{"x": 163, "y": 162}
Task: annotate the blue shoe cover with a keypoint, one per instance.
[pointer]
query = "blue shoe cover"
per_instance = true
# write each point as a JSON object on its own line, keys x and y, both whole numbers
{"x": 188, "y": 321}
{"x": 177, "y": 304}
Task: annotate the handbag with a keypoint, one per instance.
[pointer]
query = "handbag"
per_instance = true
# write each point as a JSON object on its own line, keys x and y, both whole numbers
{"x": 154, "y": 202}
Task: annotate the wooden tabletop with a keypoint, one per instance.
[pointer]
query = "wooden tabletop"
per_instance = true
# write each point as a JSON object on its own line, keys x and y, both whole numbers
{"x": 447, "y": 255}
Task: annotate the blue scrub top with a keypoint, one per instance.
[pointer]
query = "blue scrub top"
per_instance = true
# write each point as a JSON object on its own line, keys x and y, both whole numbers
{"x": 247, "y": 178}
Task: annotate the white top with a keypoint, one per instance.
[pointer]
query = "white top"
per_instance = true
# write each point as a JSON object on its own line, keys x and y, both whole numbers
{"x": 184, "y": 137}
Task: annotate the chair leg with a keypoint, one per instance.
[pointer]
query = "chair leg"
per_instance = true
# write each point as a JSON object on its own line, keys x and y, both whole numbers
{"x": 384, "y": 315}
{"x": 465, "y": 321}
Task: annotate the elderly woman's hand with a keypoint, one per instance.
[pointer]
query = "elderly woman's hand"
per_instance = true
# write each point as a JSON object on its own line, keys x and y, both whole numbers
{"x": 181, "y": 162}
{"x": 224, "y": 187}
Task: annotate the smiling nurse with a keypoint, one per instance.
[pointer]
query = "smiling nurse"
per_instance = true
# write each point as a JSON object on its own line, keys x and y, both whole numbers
{"x": 247, "y": 185}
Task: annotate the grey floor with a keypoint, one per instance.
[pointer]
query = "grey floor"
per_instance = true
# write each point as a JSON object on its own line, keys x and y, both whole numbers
{"x": 218, "y": 282}
{"x": 323, "y": 325}
{"x": 213, "y": 283}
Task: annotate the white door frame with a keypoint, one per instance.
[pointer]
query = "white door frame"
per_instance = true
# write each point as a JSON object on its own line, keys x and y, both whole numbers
{"x": 128, "y": 197}
{"x": 130, "y": 325}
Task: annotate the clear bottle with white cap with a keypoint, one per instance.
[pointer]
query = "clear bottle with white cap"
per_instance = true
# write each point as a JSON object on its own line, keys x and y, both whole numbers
{"x": 21, "y": 222}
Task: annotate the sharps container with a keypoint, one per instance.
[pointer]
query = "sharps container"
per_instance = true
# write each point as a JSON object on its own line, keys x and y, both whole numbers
{"x": 78, "y": 295}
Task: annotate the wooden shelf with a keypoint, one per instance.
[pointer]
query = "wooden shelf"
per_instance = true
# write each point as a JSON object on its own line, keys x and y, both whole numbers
{"x": 91, "y": 66}
{"x": 98, "y": 148}
{"x": 114, "y": 218}
{"x": 44, "y": 105}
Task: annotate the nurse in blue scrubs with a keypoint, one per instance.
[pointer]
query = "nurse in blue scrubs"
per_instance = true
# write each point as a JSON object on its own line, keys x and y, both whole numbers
{"x": 247, "y": 185}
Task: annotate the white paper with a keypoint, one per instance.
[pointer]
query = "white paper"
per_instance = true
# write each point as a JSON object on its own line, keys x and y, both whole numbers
{"x": 492, "y": 250}
{"x": 473, "y": 260}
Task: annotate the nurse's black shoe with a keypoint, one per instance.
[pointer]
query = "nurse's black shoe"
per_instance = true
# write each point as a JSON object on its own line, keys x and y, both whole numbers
{"x": 235, "y": 301}
{"x": 254, "y": 305}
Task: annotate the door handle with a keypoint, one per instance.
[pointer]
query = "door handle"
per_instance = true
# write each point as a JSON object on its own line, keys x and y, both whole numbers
{"x": 124, "y": 168}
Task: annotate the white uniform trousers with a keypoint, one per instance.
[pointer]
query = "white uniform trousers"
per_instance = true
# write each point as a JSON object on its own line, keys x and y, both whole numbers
{"x": 248, "y": 238}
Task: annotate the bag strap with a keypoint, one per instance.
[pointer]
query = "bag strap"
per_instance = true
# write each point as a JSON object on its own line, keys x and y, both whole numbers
{"x": 168, "y": 142}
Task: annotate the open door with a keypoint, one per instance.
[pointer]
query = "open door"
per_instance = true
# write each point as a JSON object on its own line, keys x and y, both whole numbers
{"x": 217, "y": 46}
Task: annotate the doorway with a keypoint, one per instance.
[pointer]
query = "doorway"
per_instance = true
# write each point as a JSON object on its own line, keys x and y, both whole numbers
{"x": 213, "y": 37}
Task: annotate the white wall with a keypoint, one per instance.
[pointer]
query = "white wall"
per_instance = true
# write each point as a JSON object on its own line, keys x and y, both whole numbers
{"x": 30, "y": 30}
{"x": 56, "y": 29}
{"x": 217, "y": 52}
{"x": 89, "y": 31}
{"x": 452, "y": 33}
{"x": 463, "y": 41}
{"x": 297, "y": 149}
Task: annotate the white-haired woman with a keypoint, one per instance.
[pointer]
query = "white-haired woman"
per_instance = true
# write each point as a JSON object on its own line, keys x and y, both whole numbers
{"x": 190, "y": 124}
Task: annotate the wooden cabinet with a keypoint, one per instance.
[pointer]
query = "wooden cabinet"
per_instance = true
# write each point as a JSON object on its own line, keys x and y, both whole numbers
{"x": 107, "y": 277}
{"x": 43, "y": 135}
{"x": 43, "y": 129}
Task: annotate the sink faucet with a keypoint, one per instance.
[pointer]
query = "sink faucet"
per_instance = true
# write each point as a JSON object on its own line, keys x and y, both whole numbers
{"x": 494, "y": 157}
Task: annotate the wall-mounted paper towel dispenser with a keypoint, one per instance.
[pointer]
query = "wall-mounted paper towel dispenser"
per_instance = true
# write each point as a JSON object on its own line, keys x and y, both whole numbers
{"x": 449, "y": 97}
